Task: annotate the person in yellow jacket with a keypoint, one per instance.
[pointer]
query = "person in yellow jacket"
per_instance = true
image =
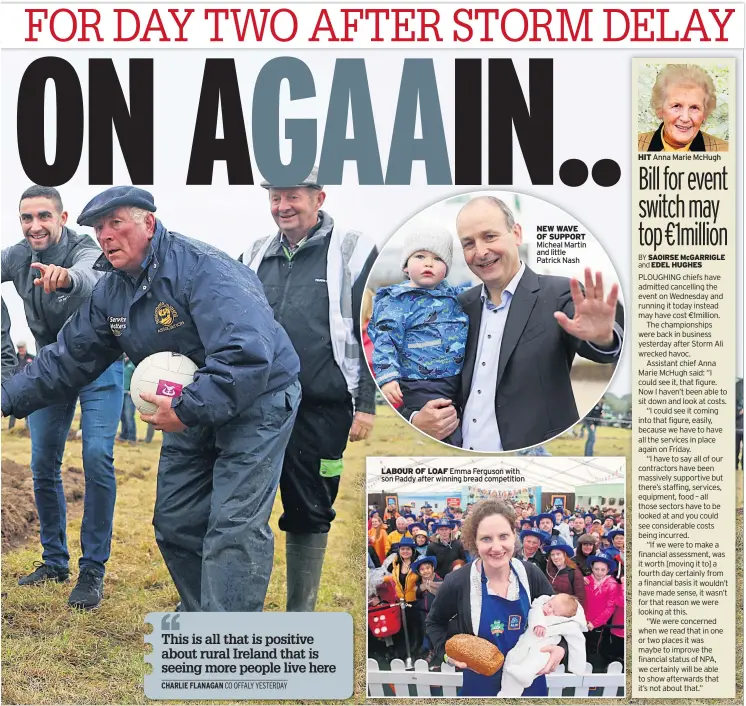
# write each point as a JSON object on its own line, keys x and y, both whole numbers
{"x": 406, "y": 580}
{"x": 378, "y": 538}
{"x": 401, "y": 531}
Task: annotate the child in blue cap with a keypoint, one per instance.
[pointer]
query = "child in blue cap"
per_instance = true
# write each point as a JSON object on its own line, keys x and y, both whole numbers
{"x": 427, "y": 589}
{"x": 601, "y": 597}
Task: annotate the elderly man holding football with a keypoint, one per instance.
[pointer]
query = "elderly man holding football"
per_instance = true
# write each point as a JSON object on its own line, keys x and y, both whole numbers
{"x": 218, "y": 477}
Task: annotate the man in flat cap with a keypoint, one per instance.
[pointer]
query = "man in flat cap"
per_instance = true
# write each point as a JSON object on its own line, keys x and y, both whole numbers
{"x": 225, "y": 435}
{"x": 52, "y": 270}
{"x": 445, "y": 548}
{"x": 314, "y": 275}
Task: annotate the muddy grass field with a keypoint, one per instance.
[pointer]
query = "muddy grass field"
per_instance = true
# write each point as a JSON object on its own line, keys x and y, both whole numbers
{"x": 20, "y": 523}
{"x": 53, "y": 655}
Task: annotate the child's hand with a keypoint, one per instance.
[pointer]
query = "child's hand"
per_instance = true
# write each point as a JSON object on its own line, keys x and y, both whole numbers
{"x": 590, "y": 625}
{"x": 540, "y": 631}
{"x": 392, "y": 392}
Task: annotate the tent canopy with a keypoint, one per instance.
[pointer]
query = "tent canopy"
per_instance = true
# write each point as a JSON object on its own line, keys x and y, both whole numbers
{"x": 554, "y": 474}
{"x": 610, "y": 489}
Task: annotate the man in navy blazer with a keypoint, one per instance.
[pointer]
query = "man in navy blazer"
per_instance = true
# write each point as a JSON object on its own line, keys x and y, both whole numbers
{"x": 524, "y": 332}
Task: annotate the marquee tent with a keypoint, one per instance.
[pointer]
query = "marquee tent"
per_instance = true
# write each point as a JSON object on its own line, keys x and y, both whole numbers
{"x": 551, "y": 473}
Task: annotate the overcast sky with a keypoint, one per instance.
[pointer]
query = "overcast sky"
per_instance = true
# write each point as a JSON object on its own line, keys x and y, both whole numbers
{"x": 225, "y": 215}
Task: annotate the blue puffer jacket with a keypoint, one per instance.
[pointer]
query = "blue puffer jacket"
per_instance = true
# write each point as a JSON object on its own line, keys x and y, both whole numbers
{"x": 417, "y": 333}
{"x": 190, "y": 298}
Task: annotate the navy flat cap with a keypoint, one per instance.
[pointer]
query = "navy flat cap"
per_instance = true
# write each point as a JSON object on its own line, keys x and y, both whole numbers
{"x": 113, "y": 198}
{"x": 311, "y": 182}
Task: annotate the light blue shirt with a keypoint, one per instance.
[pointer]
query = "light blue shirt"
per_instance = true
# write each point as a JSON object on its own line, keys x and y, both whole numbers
{"x": 479, "y": 425}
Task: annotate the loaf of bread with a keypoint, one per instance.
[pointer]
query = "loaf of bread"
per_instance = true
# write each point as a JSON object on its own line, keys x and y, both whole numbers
{"x": 480, "y": 655}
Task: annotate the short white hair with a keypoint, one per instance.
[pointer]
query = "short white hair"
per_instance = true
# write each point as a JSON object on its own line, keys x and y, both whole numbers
{"x": 135, "y": 213}
{"x": 138, "y": 214}
{"x": 683, "y": 75}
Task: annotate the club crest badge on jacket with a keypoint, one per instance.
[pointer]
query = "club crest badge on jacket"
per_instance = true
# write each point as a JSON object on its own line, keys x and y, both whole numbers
{"x": 165, "y": 316}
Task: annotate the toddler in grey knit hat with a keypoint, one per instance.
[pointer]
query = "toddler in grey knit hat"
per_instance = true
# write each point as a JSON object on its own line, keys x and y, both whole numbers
{"x": 418, "y": 327}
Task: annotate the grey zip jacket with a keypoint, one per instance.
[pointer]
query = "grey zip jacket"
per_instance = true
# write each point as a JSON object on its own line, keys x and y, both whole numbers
{"x": 46, "y": 313}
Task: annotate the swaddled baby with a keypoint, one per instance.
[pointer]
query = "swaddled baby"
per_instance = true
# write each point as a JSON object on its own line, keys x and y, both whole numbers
{"x": 550, "y": 618}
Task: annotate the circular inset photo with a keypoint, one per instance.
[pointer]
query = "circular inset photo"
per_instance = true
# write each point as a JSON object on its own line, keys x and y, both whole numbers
{"x": 496, "y": 321}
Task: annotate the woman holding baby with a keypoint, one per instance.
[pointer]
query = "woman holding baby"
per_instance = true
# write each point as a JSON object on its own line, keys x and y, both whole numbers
{"x": 491, "y": 598}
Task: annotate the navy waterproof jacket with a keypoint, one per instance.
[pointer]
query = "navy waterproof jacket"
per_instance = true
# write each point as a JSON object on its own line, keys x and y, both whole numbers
{"x": 191, "y": 299}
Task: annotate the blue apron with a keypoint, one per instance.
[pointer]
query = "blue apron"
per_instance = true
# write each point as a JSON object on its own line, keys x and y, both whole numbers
{"x": 502, "y": 622}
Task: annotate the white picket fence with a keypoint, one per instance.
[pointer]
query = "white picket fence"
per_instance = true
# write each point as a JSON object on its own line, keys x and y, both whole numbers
{"x": 421, "y": 677}
{"x": 610, "y": 681}
{"x": 450, "y": 680}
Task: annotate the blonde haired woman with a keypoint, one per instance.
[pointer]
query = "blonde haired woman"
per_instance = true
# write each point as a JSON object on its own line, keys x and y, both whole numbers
{"x": 377, "y": 537}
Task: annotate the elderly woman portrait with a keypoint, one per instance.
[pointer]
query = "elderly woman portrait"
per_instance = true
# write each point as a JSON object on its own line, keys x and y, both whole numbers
{"x": 490, "y": 597}
{"x": 683, "y": 97}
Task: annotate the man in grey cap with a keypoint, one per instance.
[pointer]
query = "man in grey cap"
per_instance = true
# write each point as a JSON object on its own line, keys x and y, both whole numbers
{"x": 9, "y": 359}
{"x": 227, "y": 430}
{"x": 314, "y": 274}
{"x": 51, "y": 269}
{"x": 23, "y": 358}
